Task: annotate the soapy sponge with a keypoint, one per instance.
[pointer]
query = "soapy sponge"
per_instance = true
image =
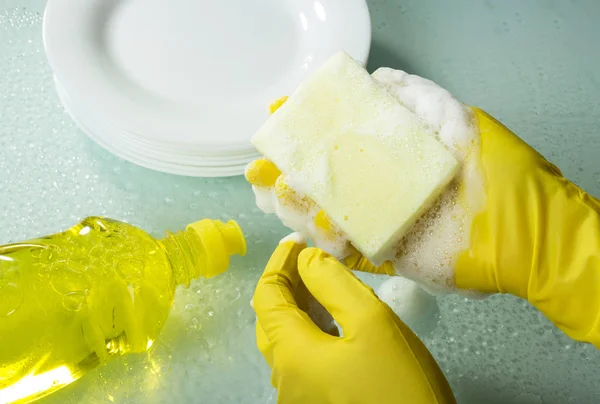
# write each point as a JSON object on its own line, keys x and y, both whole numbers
{"x": 359, "y": 154}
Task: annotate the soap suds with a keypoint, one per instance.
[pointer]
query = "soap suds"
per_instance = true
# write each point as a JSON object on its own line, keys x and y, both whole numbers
{"x": 429, "y": 251}
{"x": 427, "y": 254}
{"x": 296, "y": 237}
{"x": 265, "y": 199}
{"x": 435, "y": 106}
{"x": 417, "y": 308}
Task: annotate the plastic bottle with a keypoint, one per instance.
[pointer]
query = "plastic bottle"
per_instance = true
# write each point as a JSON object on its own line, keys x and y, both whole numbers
{"x": 71, "y": 301}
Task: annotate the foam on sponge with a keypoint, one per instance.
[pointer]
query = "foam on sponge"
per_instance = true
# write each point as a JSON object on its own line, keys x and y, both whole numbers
{"x": 359, "y": 154}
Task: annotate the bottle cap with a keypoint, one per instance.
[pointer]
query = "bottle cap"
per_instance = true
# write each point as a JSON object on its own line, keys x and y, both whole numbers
{"x": 218, "y": 241}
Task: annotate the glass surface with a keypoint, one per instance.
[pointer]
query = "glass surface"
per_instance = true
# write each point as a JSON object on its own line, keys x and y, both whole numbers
{"x": 534, "y": 65}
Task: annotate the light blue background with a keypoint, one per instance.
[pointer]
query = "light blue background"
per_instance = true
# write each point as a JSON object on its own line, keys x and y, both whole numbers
{"x": 533, "y": 64}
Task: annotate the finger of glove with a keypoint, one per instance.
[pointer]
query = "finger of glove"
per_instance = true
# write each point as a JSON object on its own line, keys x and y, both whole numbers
{"x": 351, "y": 303}
{"x": 315, "y": 310}
{"x": 274, "y": 299}
{"x": 358, "y": 262}
{"x": 262, "y": 342}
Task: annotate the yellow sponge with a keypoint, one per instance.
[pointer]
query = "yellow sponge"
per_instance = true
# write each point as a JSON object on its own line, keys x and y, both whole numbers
{"x": 360, "y": 155}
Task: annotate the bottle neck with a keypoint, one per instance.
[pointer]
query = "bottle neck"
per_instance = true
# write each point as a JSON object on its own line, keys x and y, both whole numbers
{"x": 187, "y": 259}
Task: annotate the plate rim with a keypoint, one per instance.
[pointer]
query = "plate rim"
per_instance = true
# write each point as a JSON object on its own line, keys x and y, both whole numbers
{"x": 63, "y": 59}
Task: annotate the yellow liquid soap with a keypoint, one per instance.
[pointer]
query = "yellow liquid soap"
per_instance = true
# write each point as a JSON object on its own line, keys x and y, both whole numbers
{"x": 71, "y": 301}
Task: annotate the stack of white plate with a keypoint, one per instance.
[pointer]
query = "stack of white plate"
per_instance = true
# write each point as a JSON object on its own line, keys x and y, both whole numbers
{"x": 181, "y": 86}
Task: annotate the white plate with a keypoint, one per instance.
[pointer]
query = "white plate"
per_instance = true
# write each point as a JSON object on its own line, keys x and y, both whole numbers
{"x": 161, "y": 166}
{"x": 196, "y": 167}
{"x": 108, "y": 136}
{"x": 192, "y": 73}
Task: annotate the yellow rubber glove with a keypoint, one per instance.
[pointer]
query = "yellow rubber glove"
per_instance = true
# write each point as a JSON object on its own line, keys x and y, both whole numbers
{"x": 538, "y": 238}
{"x": 377, "y": 360}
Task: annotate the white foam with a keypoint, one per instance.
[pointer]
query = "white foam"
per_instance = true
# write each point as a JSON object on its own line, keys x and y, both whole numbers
{"x": 410, "y": 302}
{"x": 265, "y": 199}
{"x": 427, "y": 254}
{"x": 296, "y": 237}
{"x": 334, "y": 245}
{"x": 294, "y": 218}
{"x": 437, "y": 108}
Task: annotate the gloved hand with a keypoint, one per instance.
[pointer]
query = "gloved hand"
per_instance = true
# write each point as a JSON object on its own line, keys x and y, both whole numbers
{"x": 377, "y": 360}
{"x": 538, "y": 237}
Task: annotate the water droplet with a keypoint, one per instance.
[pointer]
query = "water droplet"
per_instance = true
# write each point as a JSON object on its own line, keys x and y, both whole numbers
{"x": 235, "y": 296}
{"x": 194, "y": 324}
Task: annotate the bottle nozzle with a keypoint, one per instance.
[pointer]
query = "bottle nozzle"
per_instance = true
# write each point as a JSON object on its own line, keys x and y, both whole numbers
{"x": 217, "y": 242}
{"x": 233, "y": 236}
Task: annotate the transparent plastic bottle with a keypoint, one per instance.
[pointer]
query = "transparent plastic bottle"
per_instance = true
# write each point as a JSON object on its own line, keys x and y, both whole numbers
{"x": 71, "y": 301}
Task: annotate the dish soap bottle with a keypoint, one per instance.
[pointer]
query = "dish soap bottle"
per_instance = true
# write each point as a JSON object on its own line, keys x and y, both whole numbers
{"x": 71, "y": 301}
